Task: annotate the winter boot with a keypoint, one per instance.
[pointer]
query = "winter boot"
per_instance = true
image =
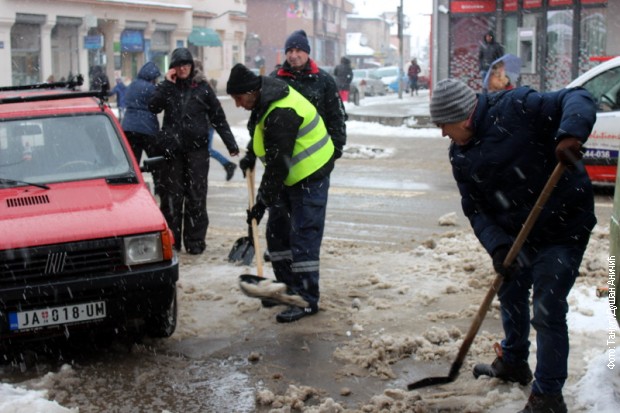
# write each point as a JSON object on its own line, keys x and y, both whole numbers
{"x": 518, "y": 373}
{"x": 230, "y": 170}
{"x": 545, "y": 403}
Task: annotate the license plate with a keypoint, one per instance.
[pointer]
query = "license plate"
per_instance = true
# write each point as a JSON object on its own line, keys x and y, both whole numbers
{"x": 24, "y": 320}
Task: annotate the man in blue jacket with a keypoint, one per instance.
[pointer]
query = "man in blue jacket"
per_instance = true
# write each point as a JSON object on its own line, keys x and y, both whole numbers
{"x": 504, "y": 148}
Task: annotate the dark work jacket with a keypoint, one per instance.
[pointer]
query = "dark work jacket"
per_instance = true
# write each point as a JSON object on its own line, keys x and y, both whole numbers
{"x": 319, "y": 87}
{"x": 190, "y": 108}
{"x": 502, "y": 170}
{"x": 281, "y": 129}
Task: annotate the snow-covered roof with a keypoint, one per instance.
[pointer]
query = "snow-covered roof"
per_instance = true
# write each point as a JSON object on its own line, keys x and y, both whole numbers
{"x": 355, "y": 47}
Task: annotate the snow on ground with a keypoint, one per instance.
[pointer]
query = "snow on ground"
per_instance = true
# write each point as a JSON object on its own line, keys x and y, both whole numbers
{"x": 379, "y": 295}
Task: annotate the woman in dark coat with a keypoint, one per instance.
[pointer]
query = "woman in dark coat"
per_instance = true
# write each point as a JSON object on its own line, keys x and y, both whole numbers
{"x": 190, "y": 108}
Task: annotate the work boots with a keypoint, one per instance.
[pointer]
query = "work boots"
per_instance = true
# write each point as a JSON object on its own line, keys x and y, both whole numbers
{"x": 545, "y": 403}
{"x": 518, "y": 373}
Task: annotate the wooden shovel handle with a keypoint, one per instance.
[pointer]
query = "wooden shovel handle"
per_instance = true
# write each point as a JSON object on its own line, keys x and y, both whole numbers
{"x": 510, "y": 257}
{"x": 259, "y": 258}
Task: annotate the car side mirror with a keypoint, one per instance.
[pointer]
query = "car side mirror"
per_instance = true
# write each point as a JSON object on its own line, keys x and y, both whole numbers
{"x": 151, "y": 164}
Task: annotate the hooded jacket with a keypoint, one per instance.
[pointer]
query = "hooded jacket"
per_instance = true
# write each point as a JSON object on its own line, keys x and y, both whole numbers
{"x": 281, "y": 130}
{"x": 138, "y": 118}
{"x": 319, "y": 87}
{"x": 190, "y": 108}
{"x": 502, "y": 170}
{"x": 343, "y": 74}
{"x": 489, "y": 51}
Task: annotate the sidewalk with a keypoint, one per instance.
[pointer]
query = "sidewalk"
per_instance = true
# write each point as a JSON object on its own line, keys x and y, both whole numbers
{"x": 412, "y": 111}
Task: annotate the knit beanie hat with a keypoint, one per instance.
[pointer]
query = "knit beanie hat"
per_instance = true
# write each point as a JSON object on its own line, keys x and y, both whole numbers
{"x": 242, "y": 80}
{"x": 297, "y": 40}
{"x": 452, "y": 101}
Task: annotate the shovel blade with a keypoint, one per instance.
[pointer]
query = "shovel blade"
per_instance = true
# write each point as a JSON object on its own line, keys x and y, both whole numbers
{"x": 429, "y": 381}
{"x": 242, "y": 251}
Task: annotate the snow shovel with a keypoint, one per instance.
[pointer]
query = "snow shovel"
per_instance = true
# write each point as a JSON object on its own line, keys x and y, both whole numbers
{"x": 486, "y": 303}
{"x": 257, "y": 286}
{"x": 243, "y": 249}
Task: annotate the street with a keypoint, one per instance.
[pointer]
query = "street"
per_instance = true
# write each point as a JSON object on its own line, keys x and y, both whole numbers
{"x": 399, "y": 290}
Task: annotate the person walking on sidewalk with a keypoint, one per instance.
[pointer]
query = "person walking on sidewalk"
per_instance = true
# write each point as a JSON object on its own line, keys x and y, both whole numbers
{"x": 504, "y": 148}
{"x": 412, "y": 73}
{"x": 140, "y": 124}
{"x": 344, "y": 76}
{"x": 229, "y": 166}
{"x": 292, "y": 141}
{"x": 488, "y": 52}
{"x": 190, "y": 108}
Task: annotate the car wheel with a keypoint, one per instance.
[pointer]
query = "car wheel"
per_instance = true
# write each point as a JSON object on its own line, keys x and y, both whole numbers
{"x": 354, "y": 97}
{"x": 163, "y": 324}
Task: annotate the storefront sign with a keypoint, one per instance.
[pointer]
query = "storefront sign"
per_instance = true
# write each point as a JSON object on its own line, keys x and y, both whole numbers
{"x": 560, "y": 3}
{"x": 93, "y": 42}
{"x": 132, "y": 41}
{"x": 510, "y": 5}
{"x": 472, "y": 6}
{"x": 594, "y": 1}
{"x": 532, "y": 4}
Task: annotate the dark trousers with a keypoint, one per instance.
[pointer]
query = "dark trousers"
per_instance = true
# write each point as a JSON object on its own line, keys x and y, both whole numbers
{"x": 183, "y": 185}
{"x": 141, "y": 142}
{"x": 294, "y": 234}
{"x": 550, "y": 275}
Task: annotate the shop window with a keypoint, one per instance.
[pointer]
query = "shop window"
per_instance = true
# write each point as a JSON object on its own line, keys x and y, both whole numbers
{"x": 593, "y": 37}
{"x": 558, "y": 63}
{"x": 25, "y": 53}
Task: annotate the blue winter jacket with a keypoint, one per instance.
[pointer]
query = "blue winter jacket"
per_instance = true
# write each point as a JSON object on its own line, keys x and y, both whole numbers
{"x": 501, "y": 172}
{"x": 138, "y": 118}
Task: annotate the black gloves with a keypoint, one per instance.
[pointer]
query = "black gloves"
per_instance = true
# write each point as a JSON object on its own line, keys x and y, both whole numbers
{"x": 257, "y": 212}
{"x": 568, "y": 151}
{"x": 499, "y": 255}
{"x": 247, "y": 162}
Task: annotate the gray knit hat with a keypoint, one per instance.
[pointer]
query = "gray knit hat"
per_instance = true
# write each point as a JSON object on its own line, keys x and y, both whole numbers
{"x": 452, "y": 101}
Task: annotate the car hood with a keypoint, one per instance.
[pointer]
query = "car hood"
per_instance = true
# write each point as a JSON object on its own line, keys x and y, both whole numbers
{"x": 75, "y": 211}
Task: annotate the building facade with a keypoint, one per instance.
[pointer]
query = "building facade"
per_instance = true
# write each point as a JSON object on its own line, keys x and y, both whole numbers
{"x": 46, "y": 40}
{"x": 557, "y": 40}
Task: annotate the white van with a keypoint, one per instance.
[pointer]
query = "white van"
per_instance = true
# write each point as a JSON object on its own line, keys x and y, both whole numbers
{"x": 601, "y": 156}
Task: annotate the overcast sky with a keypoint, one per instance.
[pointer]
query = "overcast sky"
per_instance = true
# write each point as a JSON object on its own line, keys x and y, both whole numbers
{"x": 417, "y": 11}
{"x": 376, "y": 7}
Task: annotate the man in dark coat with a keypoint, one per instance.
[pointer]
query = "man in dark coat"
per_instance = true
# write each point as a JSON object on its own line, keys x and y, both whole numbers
{"x": 190, "y": 108}
{"x": 504, "y": 148}
{"x": 140, "y": 124}
{"x": 344, "y": 76}
{"x": 315, "y": 84}
{"x": 489, "y": 52}
{"x": 292, "y": 141}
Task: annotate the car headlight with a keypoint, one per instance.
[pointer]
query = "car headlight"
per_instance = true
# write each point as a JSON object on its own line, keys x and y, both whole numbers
{"x": 143, "y": 249}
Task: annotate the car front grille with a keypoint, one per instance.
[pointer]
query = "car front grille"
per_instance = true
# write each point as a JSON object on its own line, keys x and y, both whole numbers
{"x": 50, "y": 263}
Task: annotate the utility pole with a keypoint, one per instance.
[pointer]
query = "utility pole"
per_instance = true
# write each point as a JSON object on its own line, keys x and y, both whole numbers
{"x": 399, "y": 13}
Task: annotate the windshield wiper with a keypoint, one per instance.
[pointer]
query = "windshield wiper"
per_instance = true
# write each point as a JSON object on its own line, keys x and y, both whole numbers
{"x": 123, "y": 179}
{"x": 18, "y": 182}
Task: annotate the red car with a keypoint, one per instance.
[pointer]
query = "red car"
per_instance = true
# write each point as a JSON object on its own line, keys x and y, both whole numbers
{"x": 84, "y": 245}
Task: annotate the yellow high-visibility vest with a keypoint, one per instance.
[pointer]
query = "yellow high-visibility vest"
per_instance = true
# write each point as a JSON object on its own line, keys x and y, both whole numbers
{"x": 313, "y": 146}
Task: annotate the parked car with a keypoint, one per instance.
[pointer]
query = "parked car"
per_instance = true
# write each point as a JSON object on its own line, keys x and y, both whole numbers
{"x": 84, "y": 246}
{"x": 601, "y": 155}
{"x": 365, "y": 83}
{"x": 388, "y": 75}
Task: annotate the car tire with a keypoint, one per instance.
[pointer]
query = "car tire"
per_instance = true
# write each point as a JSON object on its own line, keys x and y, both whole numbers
{"x": 354, "y": 96}
{"x": 163, "y": 325}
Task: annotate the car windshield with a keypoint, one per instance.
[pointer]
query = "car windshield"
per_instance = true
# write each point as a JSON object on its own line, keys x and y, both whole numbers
{"x": 57, "y": 149}
{"x": 605, "y": 88}
{"x": 386, "y": 71}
